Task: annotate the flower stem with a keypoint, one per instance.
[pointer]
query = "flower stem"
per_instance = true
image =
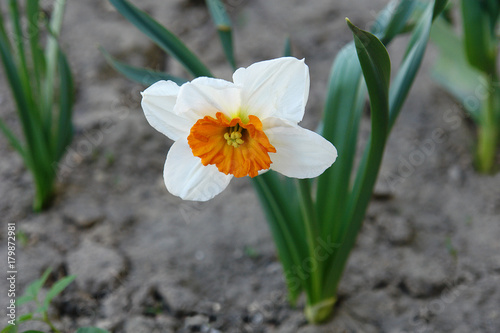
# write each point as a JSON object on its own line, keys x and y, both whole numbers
{"x": 311, "y": 229}
{"x": 44, "y": 190}
{"x": 48, "y": 322}
{"x": 488, "y": 133}
{"x": 319, "y": 312}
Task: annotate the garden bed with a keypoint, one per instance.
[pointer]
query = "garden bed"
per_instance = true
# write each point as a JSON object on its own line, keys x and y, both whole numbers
{"x": 427, "y": 258}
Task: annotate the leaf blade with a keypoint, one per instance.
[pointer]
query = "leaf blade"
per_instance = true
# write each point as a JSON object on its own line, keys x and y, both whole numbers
{"x": 13, "y": 140}
{"x": 91, "y": 330}
{"x": 224, "y": 28}
{"x": 57, "y": 288}
{"x": 479, "y": 37}
{"x": 413, "y": 58}
{"x": 375, "y": 64}
{"x": 64, "y": 131}
{"x": 452, "y": 70}
{"x": 143, "y": 76}
{"x": 162, "y": 37}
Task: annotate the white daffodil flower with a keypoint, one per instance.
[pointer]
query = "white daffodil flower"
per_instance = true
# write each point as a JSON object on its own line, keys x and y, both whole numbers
{"x": 223, "y": 129}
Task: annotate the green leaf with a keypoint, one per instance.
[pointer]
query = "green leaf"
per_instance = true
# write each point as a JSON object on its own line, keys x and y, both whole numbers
{"x": 34, "y": 108}
{"x": 10, "y": 329}
{"x": 287, "y": 50}
{"x": 28, "y": 115}
{"x": 393, "y": 19}
{"x": 493, "y": 9}
{"x": 33, "y": 14}
{"x": 376, "y": 67}
{"x": 51, "y": 60}
{"x": 312, "y": 234}
{"x": 57, "y": 288}
{"x": 344, "y": 104}
{"x": 25, "y": 317}
{"x": 219, "y": 14}
{"x": 271, "y": 195}
{"x": 411, "y": 62}
{"x": 31, "y": 331}
{"x": 13, "y": 140}
{"x": 34, "y": 288}
{"x": 223, "y": 24}
{"x": 479, "y": 37}
{"x": 143, "y": 76}
{"x": 91, "y": 330}
{"x": 18, "y": 38}
{"x": 162, "y": 37}
{"x": 343, "y": 109}
{"x": 17, "y": 89}
{"x": 439, "y": 7}
{"x": 3, "y": 32}
{"x": 451, "y": 69}
{"x": 64, "y": 131}
{"x": 24, "y": 299}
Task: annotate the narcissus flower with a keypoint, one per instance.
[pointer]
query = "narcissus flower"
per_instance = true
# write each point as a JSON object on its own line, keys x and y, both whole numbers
{"x": 227, "y": 129}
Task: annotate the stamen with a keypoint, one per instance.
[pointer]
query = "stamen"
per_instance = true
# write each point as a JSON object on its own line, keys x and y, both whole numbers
{"x": 233, "y": 136}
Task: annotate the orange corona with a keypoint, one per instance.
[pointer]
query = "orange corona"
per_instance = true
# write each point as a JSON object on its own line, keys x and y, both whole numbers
{"x": 234, "y": 147}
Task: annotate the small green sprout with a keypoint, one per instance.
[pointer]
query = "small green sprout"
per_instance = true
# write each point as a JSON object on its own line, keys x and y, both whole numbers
{"x": 32, "y": 295}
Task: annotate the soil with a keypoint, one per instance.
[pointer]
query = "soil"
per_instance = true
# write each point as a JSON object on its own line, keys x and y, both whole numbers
{"x": 427, "y": 258}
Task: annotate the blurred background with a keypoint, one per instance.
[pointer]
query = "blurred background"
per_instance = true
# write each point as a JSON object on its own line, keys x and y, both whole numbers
{"x": 428, "y": 256}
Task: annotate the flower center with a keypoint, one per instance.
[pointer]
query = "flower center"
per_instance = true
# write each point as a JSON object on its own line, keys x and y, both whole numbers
{"x": 233, "y": 136}
{"x": 237, "y": 148}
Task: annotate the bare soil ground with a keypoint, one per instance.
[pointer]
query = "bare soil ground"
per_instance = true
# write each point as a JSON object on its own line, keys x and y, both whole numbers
{"x": 428, "y": 256}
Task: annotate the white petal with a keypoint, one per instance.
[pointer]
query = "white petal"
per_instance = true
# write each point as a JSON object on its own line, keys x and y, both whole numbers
{"x": 205, "y": 97}
{"x": 274, "y": 88}
{"x": 187, "y": 178}
{"x": 300, "y": 153}
{"x": 158, "y": 104}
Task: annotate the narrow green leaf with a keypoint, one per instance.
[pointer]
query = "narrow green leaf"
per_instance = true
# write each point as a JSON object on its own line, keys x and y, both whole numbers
{"x": 24, "y": 317}
{"x": 223, "y": 24}
{"x": 3, "y": 32}
{"x": 451, "y": 69}
{"x": 10, "y": 329}
{"x": 91, "y": 330}
{"x": 24, "y": 299}
{"x": 287, "y": 49}
{"x": 31, "y": 331}
{"x": 439, "y": 7}
{"x": 57, "y": 288}
{"x": 33, "y": 14}
{"x": 312, "y": 233}
{"x": 18, "y": 37}
{"x": 411, "y": 63}
{"x": 393, "y": 19}
{"x": 143, "y": 76}
{"x": 343, "y": 109}
{"x": 17, "y": 90}
{"x": 479, "y": 37}
{"x": 344, "y": 103}
{"x": 162, "y": 37}
{"x": 37, "y": 154}
{"x": 13, "y": 140}
{"x": 226, "y": 38}
{"x": 64, "y": 131}
{"x": 51, "y": 59}
{"x": 219, "y": 14}
{"x": 286, "y": 244}
{"x": 34, "y": 288}
{"x": 376, "y": 67}
{"x": 493, "y": 9}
